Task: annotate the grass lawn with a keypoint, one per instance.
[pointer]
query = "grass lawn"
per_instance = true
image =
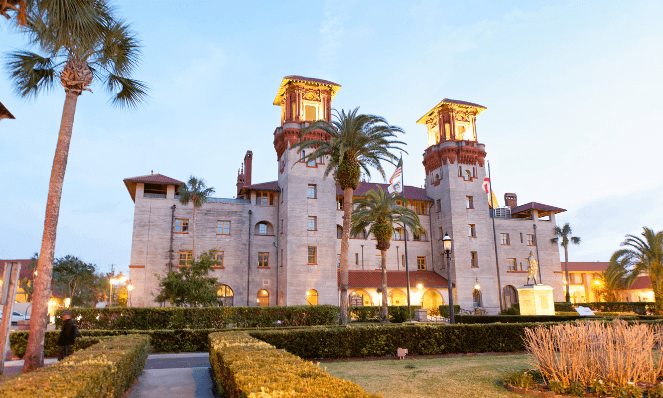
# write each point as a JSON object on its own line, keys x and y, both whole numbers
{"x": 434, "y": 377}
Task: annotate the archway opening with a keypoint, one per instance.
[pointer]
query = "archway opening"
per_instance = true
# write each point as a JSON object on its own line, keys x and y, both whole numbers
{"x": 476, "y": 298}
{"x": 510, "y": 296}
{"x": 397, "y": 297}
{"x": 312, "y": 297}
{"x": 432, "y": 300}
{"x": 263, "y": 298}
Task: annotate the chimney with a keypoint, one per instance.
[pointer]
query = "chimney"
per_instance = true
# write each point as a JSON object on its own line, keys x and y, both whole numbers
{"x": 240, "y": 179}
{"x": 248, "y": 160}
{"x": 511, "y": 200}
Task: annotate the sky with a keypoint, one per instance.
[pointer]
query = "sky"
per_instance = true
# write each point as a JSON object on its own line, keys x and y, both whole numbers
{"x": 572, "y": 90}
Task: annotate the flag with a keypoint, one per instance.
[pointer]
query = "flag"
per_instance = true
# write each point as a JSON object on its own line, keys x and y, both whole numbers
{"x": 396, "y": 180}
{"x": 486, "y": 188}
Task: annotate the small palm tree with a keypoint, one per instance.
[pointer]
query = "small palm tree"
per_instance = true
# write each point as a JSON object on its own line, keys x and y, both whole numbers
{"x": 74, "y": 57}
{"x": 643, "y": 255}
{"x": 564, "y": 234}
{"x": 196, "y": 192}
{"x": 378, "y": 211}
{"x": 610, "y": 282}
{"x": 354, "y": 143}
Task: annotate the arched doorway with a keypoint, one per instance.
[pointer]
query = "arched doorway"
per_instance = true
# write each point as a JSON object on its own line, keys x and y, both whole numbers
{"x": 510, "y": 296}
{"x": 312, "y": 297}
{"x": 359, "y": 298}
{"x": 397, "y": 297}
{"x": 476, "y": 298}
{"x": 431, "y": 300}
{"x": 263, "y": 298}
{"x": 225, "y": 295}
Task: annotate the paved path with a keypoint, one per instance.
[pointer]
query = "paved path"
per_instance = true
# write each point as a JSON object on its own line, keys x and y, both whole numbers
{"x": 175, "y": 375}
{"x": 12, "y": 367}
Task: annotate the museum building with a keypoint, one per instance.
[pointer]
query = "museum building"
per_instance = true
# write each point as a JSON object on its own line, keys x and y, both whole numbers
{"x": 279, "y": 242}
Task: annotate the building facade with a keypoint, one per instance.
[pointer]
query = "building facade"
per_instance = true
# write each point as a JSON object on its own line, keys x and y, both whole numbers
{"x": 583, "y": 276}
{"x": 278, "y": 242}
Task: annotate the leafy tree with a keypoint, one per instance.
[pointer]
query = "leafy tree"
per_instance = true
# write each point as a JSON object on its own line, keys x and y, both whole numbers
{"x": 353, "y": 143}
{"x": 72, "y": 277}
{"x": 196, "y": 192}
{"x": 191, "y": 285}
{"x": 643, "y": 255}
{"x": 378, "y": 212}
{"x": 80, "y": 42}
{"x": 610, "y": 282}
{"x": 563, "y": 237}
{"x": 26, "y": 283}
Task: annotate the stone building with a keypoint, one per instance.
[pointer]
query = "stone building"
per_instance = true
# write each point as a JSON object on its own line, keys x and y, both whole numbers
{"x": 583, "y": 276}
{"x": 278, "y": 243}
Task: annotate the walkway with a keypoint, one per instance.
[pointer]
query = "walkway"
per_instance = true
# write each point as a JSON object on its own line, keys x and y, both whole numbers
{"x": 175, "y": 375}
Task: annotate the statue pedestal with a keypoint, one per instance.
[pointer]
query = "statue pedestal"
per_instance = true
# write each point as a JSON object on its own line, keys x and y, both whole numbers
{"x": 536, "y": 300}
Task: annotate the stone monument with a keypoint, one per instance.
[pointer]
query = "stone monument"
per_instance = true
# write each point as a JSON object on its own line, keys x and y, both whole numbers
{"x": 535, "y": 298}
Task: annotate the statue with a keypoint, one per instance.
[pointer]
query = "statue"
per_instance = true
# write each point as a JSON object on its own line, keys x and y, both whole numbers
{"x": 532, "y": 268}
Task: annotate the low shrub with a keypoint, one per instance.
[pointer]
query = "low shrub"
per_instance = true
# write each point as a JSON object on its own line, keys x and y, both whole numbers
{"x": 148, "y": 318}
{"x": 244, "y": 366}
{"x": 397, "y": 313}
{"x": 105, "y": 369}
{"x": 559, "y": 307}
{"x": 444, "y": 310}
{"x": 510, "y": 311}
{"x": 471, "y": 319}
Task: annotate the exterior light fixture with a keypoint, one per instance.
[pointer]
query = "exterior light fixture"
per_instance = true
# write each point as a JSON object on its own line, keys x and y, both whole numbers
{"x": 446, "y": 241}
{"x": 420, "y": 286}
{"x": 67, "y": 301}
{"x": 477, "y": 285}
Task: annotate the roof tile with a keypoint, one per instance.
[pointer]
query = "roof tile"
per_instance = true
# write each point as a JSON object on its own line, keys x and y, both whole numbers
{"x": 373, "y": 279}
{"x": 410, "y": 193}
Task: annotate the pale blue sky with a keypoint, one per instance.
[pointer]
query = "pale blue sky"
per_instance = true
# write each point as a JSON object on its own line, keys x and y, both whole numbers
{"x": 573, "y": 91}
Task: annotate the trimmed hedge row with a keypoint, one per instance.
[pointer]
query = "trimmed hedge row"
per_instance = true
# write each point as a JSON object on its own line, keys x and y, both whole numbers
{"x": 147, "y": 318}
{"x": 397, "y": 313}
{"x": 444, "y": 310}
{"x": 106, "y": 369}
{"x": 640, "y": 308}
{"x": 245, "y": 366}
{"x": 471, "y": 319}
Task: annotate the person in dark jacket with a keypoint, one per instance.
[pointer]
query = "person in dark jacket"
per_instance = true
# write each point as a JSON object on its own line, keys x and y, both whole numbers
{"x": 67, "y": 336}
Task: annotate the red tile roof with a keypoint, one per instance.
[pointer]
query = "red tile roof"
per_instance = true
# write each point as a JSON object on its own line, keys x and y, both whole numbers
{"x": 263, "y": 186}
{"x": 311, "y": 79}
{"x": 522, "y": 211}
{"x": 410, "y": 193}
{"x": 589, "y": 266}
{"x": 27, "y": 273}
{"x": 131, "y": 183}
{"x": 373, "y": 279}
{"x": 641, "y": 282}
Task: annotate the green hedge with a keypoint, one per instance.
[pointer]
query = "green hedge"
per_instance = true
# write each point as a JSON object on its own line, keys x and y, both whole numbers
{"x": 469, "y": 319}
{"x": 148, "y": 318}
{"x": 106, "y": 369}
{"x": 640, "y": 308}
{"x": 244, "y": 366}
{"x": 397, "y": 313}
{"x": 559, "y": 307}
{"x": 444, "y": 310}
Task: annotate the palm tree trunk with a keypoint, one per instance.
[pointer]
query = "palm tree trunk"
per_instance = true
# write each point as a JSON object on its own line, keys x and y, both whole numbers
{"x": 193, "y": 235}
{"x": 385, "y": 294}
{"x": 34, "y": 354}
{"x": 345, "y": 248}
{"x": 566, "y": 270}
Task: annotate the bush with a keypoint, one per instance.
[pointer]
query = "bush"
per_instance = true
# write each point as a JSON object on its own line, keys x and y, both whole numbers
{"x": 470, "y": 319}
{"x": 146, "y": 318}
{"x": 244, "y": 366}
{"x": 397, "y": 313}
{"x": 559, "y": 307}
{"x": 510, "y": 311}
{"x": 444, "y": 310}
{"x": 106, "y": 369}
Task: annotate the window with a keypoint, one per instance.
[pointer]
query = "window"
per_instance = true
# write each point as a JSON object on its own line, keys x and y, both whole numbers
{"x": 510, "y": 296}
{"x": 312, "y": 255}
{"x": 302, "y": 155}
{"x": 281, "y": 257}
{"x": 312, "y": 223}
{"x": 468, "y": 176}
{"x": 419, "y": 235}
{"x": 356, "y": 258}
{"x": 398, "y": 234}
{"x": 441, "y": 234}
{"x": 321, "y": 160}
{"x": 185, "y": 257}
{"x": 474, "y": 260}
{"x": 444, "y": 260}
{"x": 223, "y": 227}
{"x": 399, "y": 203}
{"x": 293, "y": 110}
{"x": 421, "y": 262}
{"x": 530, "y": 240}
{"x": 505, "y": 239}
{"x": 439, "y": 205}
{"x": 182, "y": 225}
{"x": 471, "y": 231}
{"x": 339, "y": 203}
{"x": 338, "y": 261}
{"x": 312, "y": 297}
{"x": 420, "y": 208}
{"x": 262, "y": 228}
{"x": 263, "y": 298}
{"x": 511, "y": 264}
{"x": 378, "y": 261}
{"x": 312, "y": 191}
{"x": 225, "y": 295}
{"x": 476, "y": 298}
{"x": 264, "y": 199}
{"x": 311, "y": 163}
{"x": 403, "y": 260}
{"x": 218, "y": 259}
{"x": 469, "y": 202}
{"x": 263, "y": 260}
{"x": 521, "y": 237}
{"x": 460, "y": 172}
{"x": 281, "y": 227}
{"x": 339, "y": 232}
{"x": 310, "y": 112}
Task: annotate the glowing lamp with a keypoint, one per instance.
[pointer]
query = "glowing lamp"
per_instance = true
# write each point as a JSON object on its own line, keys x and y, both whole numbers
{"x": 67, "y": 301}
{"x": 420, "y": 286}
{"x": 130, "y": 287}
{"x": 477, "y": 285}
{"x": 446, "y": 241}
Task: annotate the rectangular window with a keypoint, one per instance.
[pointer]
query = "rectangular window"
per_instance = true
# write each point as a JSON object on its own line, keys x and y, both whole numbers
{"x": 403, "y": 260}
{"x": 271, "y": 199}
{"x": 185, "y": 257}
{"x": 471, "y": 231}
{"x": 311, "y": 113}
{"x": 293, "y": 110}
{"x": 223, "y": 227}
{"x": 281, "y": 257}
{"x": 398, "y": 234}
{"x": 263, "y": 199}
{"x": 474, "y": 260}
{"x": 530, "y": 240}
{"x": 356, "y": 258}
{"x": 321, "y": 160}
{"x": 416, "y": 235}
{"x": 312, "y": 223}
{"x": 218, "y": 259}
{"x": 421, "y": 262}
{"x": 182, "y": 225}
{"x": 378, "y": 261}
{"x": 312, "y": 191}
{"x": 421, "y": 208}
{"x": 510, "y": 264}
{"x": 521, "y": 237}
{"x": 263, "y": 260}
{"x": 505, "y": 239}
{"x": 339, "y": 203}
{"x": 439, "y": 206}
{"x": 469, "y": 202}
{"x": 338, "y": 261}
{"x": 312, "y": 255}
{"x": 302, "y": 157}
{"x": 441, "y": 234}
{"x": 311, "y": 163}
{"x": 262, "y": 228}
{"x": 444, "y": 260}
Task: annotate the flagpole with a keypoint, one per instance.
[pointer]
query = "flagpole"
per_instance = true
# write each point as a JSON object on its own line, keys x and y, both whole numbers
{"x": 407, "y": 268}
{"x": 497, "y": 263}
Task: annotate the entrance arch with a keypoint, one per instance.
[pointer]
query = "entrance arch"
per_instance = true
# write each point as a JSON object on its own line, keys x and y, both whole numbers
{"x": 360, "y": 298}
{"x": 509, "y": 296}
{"x": 312, "y": 297}
{"x": 263, "y": 298}
{"x": 397, "y": 297}
{"x": 432, "y": 300}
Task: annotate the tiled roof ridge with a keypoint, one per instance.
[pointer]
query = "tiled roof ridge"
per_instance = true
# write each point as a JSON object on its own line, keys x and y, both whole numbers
{"x": 311, "y": 79}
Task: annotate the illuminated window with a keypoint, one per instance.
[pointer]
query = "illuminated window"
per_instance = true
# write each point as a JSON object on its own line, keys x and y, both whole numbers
{"x": 469, "y": 202}
{"x": 510, "y": 264}
{"x": 263, "y": 260}
{"x": 312, "y": 255}
{"x": 218, "y": 259}
{"x": 312, "y": 223}
{"x": 339, "y": 203}
{"x": 421, "y": 208}
{"x": 182, "y": 225}
{"x": 311, "y": 112}
{"x": 474, "y": 260}
{"x": 399, "y": 234}
{"x": 312, "y": 297}
{"x": 505, "y": 239}
{"x": 223, "y": 227}
{"x": 225, "y": 295}
{"x": 421, "y": 262}
{"x": 263, "y": 298}
{"x": 185, "y": 257}
{"x": 312, "y": 191}
{"x": 378, "y": 261}
{"x": 530, "y": 240}
{"x": 471, "y": 231}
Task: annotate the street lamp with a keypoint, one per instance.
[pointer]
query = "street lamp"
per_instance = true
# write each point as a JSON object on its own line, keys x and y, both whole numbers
{"x": 130, "y": 287}
{"x": 112, "y": 281}
{"x": 446, "y": 241}
{"x": 477, "y": 285}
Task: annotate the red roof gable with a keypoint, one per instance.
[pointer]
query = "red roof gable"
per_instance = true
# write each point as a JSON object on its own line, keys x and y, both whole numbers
{"x": 588, "y": 266}
{"x": 373, "y": 279}
{"x": 27, "y": 273}
{"x": 641, "y": 282}
{"x": 264, "y": 186}
{"x": 410, "y": 193}
{"x": 522, "y": 211}
{"x": 131, "y": 183}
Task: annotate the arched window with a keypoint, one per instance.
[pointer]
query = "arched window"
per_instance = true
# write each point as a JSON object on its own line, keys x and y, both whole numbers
{"x": 264, "y": 228}
{"x": 312, "y": 297}
{"x": 476, "y": 298}
{"x": 263, "y": 298}
{"x": 510, "y": 296}
{"x": 225, "y": 295}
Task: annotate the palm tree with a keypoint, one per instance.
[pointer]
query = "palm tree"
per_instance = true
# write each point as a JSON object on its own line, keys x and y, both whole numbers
{"x": 378, "y": 211}
{"x": 354, "y": 143}
{"x": 565, "y": 234}
{"x": 610, "y": 282}
{"x": 75, "y": 58}
{"x": 17, "y": 6}
{"x": 196, "y": 192}
{"x": 643, "y": 256}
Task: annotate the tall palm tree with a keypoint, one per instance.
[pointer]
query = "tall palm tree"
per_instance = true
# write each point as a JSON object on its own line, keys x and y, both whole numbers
{"x": 564, "y": 234}
{"x": 196, "y": 192}
{"x": 643, "y": 255}
{"x": 378, "y": 211}
{"x": 108, "y": 53}
{"x": 354, "y": 143}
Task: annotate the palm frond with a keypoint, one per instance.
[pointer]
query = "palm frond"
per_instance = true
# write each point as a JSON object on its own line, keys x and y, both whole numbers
{"x": 31, "y": 73}
{"x": 120, "y": 50}
{"x": 130, "y": 92}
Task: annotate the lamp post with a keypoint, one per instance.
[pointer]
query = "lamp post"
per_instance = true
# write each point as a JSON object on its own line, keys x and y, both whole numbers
{"x": 447, "y": 250}
{"x": 130, "y": 287}
{"x": 110, "y": 293}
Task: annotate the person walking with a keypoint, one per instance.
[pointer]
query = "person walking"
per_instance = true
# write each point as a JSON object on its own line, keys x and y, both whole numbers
{"x": 67, "y": 336}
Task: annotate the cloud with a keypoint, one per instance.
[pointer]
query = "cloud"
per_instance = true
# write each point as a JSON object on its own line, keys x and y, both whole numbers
{"x": 331, "y": 30}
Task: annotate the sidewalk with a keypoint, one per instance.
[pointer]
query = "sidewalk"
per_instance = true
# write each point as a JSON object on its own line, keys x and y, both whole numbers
{"x": 12, "y": 367}
{"x": 175, "y": 375}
